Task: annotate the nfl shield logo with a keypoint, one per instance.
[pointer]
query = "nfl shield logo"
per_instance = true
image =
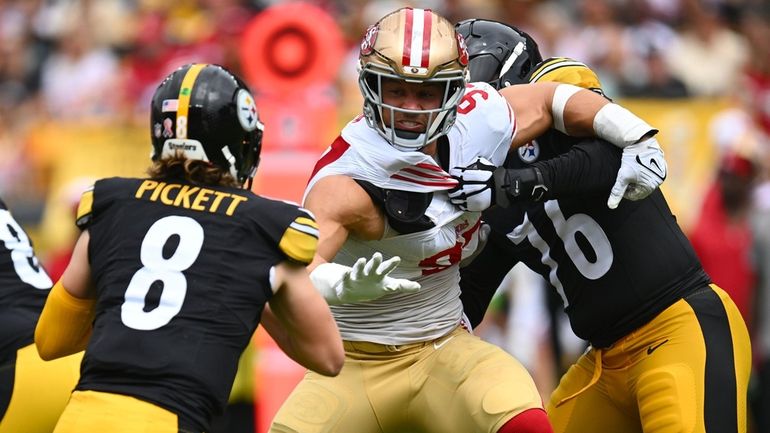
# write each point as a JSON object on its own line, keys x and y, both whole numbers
{"x": 529, "y": 152}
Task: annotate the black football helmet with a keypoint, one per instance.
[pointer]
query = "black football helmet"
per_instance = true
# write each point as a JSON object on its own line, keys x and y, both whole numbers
{"x": 500, "y": 55}
{"x": 209, "y": 114}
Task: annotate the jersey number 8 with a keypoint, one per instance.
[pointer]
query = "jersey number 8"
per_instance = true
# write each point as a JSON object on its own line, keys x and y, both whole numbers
{"x": 166, "y": 270}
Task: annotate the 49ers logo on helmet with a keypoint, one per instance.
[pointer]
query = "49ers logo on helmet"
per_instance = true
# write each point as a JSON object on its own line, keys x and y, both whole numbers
{"x": 462, "y": 50}
{"x": 367, "y": 45}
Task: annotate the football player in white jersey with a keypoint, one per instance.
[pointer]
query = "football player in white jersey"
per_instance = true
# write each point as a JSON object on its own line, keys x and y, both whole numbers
{"x": 380, "y": 191}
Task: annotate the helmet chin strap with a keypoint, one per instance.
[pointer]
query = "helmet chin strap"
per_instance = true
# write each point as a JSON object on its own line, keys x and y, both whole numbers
{"x": 397, "y": 139}
{"x": 230, "y": 161}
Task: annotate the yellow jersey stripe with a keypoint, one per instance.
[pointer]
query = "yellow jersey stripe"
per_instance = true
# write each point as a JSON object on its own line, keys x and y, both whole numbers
{"x": 185, "y": 92}
{"x": 298, "y": 244}
{"x": 86, "y": 205}
{"x": 307, "y": 225}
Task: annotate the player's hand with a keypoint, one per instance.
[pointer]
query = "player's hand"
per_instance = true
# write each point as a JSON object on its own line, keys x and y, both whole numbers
{"x": 366, "y": 280}
{"x": 475, "y": 190}
{"x": 642, "y": 170}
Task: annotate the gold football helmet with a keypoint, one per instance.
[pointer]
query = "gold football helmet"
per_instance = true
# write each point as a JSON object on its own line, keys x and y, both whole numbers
{"x": 418, "y": 46}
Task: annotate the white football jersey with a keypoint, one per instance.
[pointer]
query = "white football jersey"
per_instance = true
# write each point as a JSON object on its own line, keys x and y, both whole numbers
{"x": 485, "y": 127}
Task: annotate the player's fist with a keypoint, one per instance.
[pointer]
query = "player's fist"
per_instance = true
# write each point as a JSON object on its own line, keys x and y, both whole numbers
{"x": 642, "y": 170}
{"x": 475, "y": 190}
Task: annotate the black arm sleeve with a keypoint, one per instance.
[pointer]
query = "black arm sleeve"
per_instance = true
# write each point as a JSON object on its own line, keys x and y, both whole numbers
{"x": 589, "y": 167}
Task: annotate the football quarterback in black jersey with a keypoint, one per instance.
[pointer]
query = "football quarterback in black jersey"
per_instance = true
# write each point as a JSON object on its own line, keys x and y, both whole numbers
{"x": 171, "y": 273}
{"x": 24, "y": 285}
{"x": 669, "y": 350}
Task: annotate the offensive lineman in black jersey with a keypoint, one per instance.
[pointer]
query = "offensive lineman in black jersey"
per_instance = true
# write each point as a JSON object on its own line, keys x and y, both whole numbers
{"x": 670, "y": 351}
{"x": 171, "y": 273}
{"x": 24, "y": 285}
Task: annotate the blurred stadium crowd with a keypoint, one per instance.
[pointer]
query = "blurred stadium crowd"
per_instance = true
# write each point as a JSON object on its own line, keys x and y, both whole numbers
{"x": 76, "y": 77}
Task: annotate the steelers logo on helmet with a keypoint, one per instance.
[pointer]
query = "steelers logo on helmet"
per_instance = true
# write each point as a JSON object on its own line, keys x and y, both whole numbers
{"x": 247, "y": 110}
{"x": 529, "y": 152}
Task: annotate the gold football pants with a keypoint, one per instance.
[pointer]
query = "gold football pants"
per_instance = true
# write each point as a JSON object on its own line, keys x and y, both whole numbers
{"x": 456, "y": 383}
{"x": 40, "y": 391}
{"x": 687, "y": 370}
{"x": 92, "y": 411}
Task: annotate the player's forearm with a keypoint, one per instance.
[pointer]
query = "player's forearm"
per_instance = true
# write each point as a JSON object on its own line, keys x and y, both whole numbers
{"x": 574, "y": 111}
{"x": 291, "y": 346}
{"x": 583, "y": 113}
{"x": 65, "y": 324}
{"x": 313, "y": 355}
{"x": 589, "y": 167}
{"x": 300, "y": 322}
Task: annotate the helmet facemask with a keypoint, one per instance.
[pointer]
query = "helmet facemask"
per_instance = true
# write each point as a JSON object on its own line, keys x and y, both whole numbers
{"x": 440, "y": 119}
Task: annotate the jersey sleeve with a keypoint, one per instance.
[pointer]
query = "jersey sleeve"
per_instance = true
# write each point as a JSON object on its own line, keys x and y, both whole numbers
{"x": 300, "y": 239}
{"x": 485, "y": 125}
{"x": 103, "y": 194}
{"x": 292, "y": 228}
{"x": 567, "y": 71}
{"x": 85, "y": 209}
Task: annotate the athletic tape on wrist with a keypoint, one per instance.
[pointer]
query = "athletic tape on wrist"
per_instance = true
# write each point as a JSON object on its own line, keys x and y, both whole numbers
{"x": 560, "y": 97}
{"x": 620, "y": 126}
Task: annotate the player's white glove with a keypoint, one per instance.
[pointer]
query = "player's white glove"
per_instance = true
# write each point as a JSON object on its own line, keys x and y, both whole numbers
{"x": 475, "y": 190}
{"x": 366, "y": 280}
{"x": 642, "y": 169}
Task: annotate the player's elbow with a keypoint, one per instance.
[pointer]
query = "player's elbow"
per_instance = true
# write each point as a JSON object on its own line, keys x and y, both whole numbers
{"x": 45, "y": 348}
{"x": 42, "y": 350}
{"x": 330, "y": 364}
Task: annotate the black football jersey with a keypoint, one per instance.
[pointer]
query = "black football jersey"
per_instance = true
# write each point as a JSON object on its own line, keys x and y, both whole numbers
{"x": 614, "y": 269}
{"x": 182, "y": 274}
{"x": 24, "y": 286}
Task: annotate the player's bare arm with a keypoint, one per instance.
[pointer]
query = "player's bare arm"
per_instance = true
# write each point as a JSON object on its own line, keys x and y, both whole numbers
{"x": 533, "y": 105}
{"x": 341, "y": 208}
{"x": 300, "y": 322}
{"x": 577, "y": 112}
